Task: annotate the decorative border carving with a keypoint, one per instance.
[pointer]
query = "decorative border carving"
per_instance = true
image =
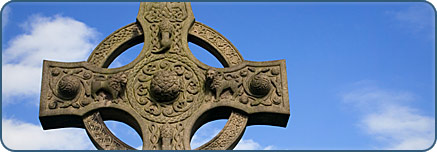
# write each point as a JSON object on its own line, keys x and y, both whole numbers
{"x": 101, "y": 136}
{"x": 113, "y": 42}
{"x": 232, "y": 132}
{"x": 218, "y": 41}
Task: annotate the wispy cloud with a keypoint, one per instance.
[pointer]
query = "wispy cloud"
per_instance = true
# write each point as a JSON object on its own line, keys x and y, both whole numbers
{"x": 19, "y": 135}
{"x": 389, "y": 118}
{"x": 415, "y": 18}
{"x": 53, "y": 38}
{"x": 401, "y": 127}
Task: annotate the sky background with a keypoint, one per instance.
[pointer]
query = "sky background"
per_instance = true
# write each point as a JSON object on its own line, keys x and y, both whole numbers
{"x": 360, "y": 75}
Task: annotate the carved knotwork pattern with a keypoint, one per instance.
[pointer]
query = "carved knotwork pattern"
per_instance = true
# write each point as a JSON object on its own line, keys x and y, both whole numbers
{"x": 165, "y": 75}
{"x": 228, "y": 134}
{"x": 165, "y": 26}
{"x": 164, "y": 133}
{"x": 218, "y": 41}
{"x": 173, "y": 11}
{"x": 178, "y": 137}
{"x": 154, "y": 137}
{"x": 102, "y": 135}
{"x": 113, "y": 41}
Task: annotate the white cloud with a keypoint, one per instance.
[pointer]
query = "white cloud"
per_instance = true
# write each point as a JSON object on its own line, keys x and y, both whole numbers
{"x": 388, "y": 118}
{"x": 434, "y": 2}
{"x": 46, "y": 38}
{"x": 369, "y": 98}
{"x": 401, "y": 127}
{"x": 139, "y": 147}
{"x": 249, "y": 144}
{"x": 18, "y": 135}
{"x": 20, "y": 80}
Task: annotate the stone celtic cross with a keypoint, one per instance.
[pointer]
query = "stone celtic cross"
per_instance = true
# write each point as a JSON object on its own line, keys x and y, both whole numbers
{"x": 165, "y": 94}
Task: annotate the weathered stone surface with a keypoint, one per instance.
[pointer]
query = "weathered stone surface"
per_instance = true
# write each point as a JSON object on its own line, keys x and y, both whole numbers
{"x": 165, "y": 94}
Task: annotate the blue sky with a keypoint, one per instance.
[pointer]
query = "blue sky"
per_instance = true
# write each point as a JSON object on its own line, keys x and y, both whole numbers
{"x": 360, "y": 75}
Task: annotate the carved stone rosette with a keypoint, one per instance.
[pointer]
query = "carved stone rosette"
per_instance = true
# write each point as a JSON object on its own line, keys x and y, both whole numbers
{"x": 165, "y": 94}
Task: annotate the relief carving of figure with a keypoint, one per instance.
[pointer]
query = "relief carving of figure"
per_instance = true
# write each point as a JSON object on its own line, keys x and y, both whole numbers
{"x": 165, "y": 28}
{"x": 113, "y": 85}
{"x": 219, "y": 82}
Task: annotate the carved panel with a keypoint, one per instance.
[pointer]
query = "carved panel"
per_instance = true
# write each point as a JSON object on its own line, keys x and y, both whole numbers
{"x": 76, "y": 87}
{"x": 250, "y": 85}
{"x": 67, "y": 86}
{"x": 166, "y": 89}
{"x": 164, "y": 20}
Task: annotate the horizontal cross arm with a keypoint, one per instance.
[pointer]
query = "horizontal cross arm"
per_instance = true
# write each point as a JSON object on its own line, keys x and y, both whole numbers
{"x": 257, "y": 88}
{"x": 70, "y": 90}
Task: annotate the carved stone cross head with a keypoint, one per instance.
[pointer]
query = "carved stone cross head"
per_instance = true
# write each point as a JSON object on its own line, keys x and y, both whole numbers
{"x": 165, "y": 94}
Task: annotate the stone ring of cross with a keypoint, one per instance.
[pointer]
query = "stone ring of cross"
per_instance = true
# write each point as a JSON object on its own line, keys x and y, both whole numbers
{"x": 165, "y": 94}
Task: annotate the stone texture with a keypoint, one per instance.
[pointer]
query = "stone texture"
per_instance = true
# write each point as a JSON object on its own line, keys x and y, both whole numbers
{"x": 165, "y": 94}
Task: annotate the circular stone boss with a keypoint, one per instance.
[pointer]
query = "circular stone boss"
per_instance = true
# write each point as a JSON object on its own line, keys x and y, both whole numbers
{"x": 165, "y": 86}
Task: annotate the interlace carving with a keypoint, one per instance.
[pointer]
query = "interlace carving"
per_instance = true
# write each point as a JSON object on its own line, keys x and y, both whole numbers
{"x": 114, "y": 41}
{"x": 217, "y": 40}
{"x": 169, "y": 135}
{"x": 165, "y": 26}
{"x": 236, "y": 127}
{"x": 101, "y": 134}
